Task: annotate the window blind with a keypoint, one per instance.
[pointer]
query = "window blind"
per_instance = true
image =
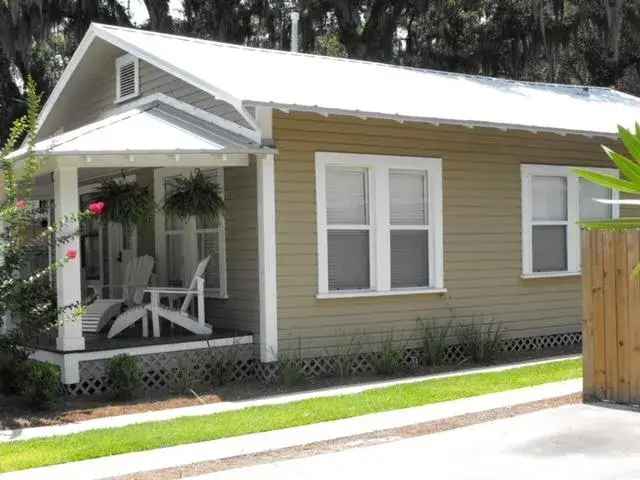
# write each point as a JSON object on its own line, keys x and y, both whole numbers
{"x": 409, "y": 258}
{"x": 408, "y": 192}
{"x": 589, "y": 208}
{"x": 549, "y": 198}
{"x": 409, "y": 235}
{"x": 347, "y": 196}
{"x": 348, "y": 252}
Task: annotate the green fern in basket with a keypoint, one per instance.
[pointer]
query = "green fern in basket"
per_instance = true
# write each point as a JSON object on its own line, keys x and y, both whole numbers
{"x": 127, "y": 203}
{"x": 195, "y": 195}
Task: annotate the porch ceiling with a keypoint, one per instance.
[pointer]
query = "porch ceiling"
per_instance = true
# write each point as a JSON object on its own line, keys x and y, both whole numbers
{"x": 153, "y": 129}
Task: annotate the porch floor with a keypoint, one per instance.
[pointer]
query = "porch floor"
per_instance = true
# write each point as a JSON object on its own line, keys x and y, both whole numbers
{"x": 132, "y": 337}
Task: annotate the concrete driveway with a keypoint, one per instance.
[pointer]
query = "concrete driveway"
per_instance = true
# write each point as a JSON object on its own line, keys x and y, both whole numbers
{"x": 574, "y": 441}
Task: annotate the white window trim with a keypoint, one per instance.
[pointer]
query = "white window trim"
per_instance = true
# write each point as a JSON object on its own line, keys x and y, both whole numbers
{"x": 527, "y": 171}
{"x": 159, "y": 176}
{"x": 379, "y": 222}
{"x": 123, "y": 60}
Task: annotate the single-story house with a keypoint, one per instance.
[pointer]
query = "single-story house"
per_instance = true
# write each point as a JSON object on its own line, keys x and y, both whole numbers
{"x": 359, "y": 196}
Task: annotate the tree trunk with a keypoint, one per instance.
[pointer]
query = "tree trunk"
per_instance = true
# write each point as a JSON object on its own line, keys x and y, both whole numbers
{"x": 159, "y": 16}
{"x": 614, "y": 29}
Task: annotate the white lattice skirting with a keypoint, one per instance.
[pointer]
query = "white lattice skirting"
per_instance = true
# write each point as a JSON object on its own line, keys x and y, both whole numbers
{"x": 165, "y": 372}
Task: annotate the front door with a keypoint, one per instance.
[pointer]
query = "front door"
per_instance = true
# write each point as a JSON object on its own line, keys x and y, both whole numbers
{"x": 121, "y": 247}
{"x": 105, "y": 250}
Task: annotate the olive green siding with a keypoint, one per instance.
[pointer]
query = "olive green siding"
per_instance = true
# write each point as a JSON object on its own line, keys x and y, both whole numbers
{"x": 482, "y": 230}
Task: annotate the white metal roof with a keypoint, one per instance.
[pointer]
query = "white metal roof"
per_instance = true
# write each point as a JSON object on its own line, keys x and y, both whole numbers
{"x": 152, "y": 128}
{"x": 298, "y": 81}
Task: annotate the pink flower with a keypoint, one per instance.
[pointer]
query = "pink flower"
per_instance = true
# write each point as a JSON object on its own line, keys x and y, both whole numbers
{"x": 97, "y": 208}
{"x": 21, "y": 204}
{"x": 72, "y": 253}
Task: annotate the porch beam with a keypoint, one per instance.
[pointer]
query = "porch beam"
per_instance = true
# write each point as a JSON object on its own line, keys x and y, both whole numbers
{"x": 68, "y": 283}
{"x": 267, "y": 258}
{"x": 143, "y": 160}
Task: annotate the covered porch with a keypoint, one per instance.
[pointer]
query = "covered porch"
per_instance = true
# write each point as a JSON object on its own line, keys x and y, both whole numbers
{"x": 150, "y": 144}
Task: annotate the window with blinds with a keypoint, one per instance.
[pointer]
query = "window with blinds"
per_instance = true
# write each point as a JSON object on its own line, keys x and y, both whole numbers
{"x": 554, "y": 201}
{"x": 183, "y": 243}
{"x": 379, "y": 224}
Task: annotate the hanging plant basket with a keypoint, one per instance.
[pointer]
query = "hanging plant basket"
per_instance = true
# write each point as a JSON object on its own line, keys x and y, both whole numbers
{"x": 127, "y": 203}
{"x": 195, "y": 195}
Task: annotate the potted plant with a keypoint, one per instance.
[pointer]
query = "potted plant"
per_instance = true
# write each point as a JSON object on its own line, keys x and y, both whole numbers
{"x": 195, "y": 195}
{"x": 127, "y": 203}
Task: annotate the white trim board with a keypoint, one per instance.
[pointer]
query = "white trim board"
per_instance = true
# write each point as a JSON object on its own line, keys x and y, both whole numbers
{"x": 144, "y": 160}
{"x": 267, "y": 258}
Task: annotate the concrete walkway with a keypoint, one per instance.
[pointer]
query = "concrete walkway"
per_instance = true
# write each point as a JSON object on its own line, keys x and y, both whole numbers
{"x": 575, "y": 441}
{"x": 260, "y": 442}
{"x": 122, "y": 420}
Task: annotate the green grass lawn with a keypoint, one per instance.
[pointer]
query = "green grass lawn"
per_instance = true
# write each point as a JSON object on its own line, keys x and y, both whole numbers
{"x": 99, "y": 443}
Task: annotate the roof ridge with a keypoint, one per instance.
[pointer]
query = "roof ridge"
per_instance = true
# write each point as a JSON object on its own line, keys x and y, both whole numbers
{"x": 365, "y": 62}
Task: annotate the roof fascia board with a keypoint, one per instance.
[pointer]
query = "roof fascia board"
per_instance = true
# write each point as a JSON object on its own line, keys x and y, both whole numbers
{"x": 286, "y": 108}
{"x": 181, "y": 74}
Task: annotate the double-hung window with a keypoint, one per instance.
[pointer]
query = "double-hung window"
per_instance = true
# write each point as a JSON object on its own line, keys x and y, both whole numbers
{"x": 379, "y": 224}
{"x": 554, "y": 200}
{"x": 181, "y": 244}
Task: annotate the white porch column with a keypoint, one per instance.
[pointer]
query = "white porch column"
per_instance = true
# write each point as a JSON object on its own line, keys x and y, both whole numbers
{"x": 65, "y": 180}
{"x": 267, "y": 258}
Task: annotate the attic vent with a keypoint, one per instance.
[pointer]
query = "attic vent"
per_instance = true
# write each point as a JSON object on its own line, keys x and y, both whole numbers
{"x": 127, "y": 78}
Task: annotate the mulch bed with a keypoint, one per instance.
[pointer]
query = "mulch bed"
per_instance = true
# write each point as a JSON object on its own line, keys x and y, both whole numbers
{"x": 357, "y": 441}
{"x": 14, "y": 415}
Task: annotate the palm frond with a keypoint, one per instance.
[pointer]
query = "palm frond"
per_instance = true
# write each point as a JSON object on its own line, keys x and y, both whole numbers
{"x": 608, "y": 181}
{"x": 630, "y": 141}
{"x": 629, "y": 168}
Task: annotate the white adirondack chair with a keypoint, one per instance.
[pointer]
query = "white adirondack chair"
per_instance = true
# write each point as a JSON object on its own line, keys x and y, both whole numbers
{"x": 136, "y": 278}
{"x": 179, "y": 317}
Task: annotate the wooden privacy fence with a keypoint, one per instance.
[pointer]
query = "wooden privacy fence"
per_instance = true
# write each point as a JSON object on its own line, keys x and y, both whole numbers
{"x": 611, "y": 316}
